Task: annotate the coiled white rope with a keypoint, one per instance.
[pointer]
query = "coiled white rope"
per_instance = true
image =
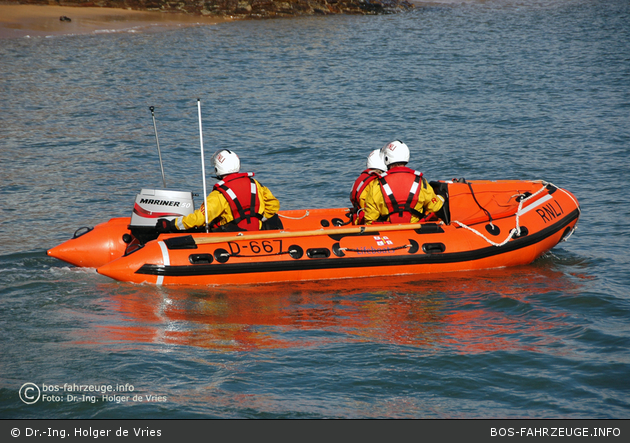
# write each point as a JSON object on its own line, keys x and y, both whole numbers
{"x": 517, "y": 228}
{"x": 295, "y": 218}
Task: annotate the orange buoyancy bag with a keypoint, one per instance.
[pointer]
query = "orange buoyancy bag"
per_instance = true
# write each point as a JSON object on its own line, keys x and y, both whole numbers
{"x": 241, "y": 193}
{"x": 401, "y": 187}
{"x": 484, "y": 200}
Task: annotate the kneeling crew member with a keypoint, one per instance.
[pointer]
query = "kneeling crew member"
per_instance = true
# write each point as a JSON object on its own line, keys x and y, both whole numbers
{"x": 403, "y": 195}
{"x": 237, "y": 202}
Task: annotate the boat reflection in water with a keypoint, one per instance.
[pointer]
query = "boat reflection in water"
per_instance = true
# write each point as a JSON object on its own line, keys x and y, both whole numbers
{"x": 467, "y": 312}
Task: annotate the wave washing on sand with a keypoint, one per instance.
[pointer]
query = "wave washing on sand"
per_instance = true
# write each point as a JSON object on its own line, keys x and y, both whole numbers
{"x": 49, "y": 21}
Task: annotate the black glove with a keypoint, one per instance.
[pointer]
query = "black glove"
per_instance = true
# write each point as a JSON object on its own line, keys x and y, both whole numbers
{"x": 164, "y": 225}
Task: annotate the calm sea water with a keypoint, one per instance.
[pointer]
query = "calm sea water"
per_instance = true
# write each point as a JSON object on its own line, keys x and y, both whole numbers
{"x": 501, "y": 90}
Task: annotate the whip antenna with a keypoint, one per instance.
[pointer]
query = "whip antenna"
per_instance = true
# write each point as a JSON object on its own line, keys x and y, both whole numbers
{"x": 151, "y": 108}
{"x": 203, "y": 165}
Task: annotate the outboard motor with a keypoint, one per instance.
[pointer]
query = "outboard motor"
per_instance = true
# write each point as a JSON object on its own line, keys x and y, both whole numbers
{"x": 152, "y": 204}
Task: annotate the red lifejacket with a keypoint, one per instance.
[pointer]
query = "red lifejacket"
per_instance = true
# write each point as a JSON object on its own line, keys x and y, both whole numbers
{"x": 360, "y": 184}
{"x": 364, "y": 179}
{"x": 401, "y": 187}
{"x": 242, "y": 195}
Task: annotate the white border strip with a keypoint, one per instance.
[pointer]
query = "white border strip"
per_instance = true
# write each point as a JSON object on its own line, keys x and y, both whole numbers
{"x": 166, "y": 260}
{"x": 535, "y": 204}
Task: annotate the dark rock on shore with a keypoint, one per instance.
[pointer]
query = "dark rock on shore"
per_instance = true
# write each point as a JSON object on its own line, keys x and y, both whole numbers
{"x": 242, "y": 8}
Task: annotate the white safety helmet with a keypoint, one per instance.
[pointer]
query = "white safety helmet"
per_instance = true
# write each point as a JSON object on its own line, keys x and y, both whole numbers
{"x": 395, "y": 152}
{"x": 225, "y": 162}
{"x": 374, "y": 161}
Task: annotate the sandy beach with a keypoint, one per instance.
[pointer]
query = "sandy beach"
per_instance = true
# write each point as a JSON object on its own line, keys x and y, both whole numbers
{"x": 42, "y": 20}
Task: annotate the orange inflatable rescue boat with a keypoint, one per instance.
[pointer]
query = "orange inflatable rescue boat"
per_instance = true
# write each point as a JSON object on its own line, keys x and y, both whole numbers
{"x": 489, "y": 224}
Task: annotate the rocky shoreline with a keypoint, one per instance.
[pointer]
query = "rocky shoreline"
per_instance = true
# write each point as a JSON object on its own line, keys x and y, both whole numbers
{"x": 240, "y": 9}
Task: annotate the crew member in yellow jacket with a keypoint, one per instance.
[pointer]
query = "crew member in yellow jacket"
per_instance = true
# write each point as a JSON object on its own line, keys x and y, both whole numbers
{"x": 402, "y": 194}
{"x": 368, "y": 178}
{"x": 237, "y": 202}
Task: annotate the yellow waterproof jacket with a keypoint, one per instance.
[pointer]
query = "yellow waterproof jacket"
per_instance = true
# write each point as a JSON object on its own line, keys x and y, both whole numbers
{"x": 362, "y": 199}
{"x": 218, "y": 206}
{"x": 375, "y": 206}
